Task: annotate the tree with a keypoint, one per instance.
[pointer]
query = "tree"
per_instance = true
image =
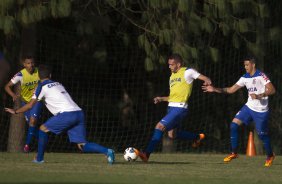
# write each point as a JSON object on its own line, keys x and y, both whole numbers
{"x": 19, "y": 18}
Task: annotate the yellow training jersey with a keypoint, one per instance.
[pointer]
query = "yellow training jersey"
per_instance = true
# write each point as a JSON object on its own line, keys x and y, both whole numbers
{"x": 28, "y": 83}
{"x": 180, "y": 89}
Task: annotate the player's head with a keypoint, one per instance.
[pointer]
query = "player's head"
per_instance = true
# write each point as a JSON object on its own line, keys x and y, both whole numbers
{"x": 250, "y": 65}
{"x": 44, "y": 72}
{"x": 175, "y": 62}
{"x": 28, "y": 63}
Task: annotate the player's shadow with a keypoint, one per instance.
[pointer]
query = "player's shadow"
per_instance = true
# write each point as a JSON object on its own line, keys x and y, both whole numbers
{"x": 156, "y": 162}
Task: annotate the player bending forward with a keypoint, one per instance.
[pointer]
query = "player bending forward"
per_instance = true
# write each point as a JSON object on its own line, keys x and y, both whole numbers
{"x": 256, "y": 109}
{"x": 68, "y": 116}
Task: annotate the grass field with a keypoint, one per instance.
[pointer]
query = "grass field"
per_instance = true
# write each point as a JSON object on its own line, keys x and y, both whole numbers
{"x": 162, "y": 168}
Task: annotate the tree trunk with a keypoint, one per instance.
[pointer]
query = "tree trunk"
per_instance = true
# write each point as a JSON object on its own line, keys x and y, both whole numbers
{"x": 17, "y": 122}
{"x": 17, "y": 127}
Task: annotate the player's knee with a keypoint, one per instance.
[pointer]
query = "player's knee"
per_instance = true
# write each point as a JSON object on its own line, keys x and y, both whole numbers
{"x": 43, "y": 128}
{"x": 171, "y": 135}
{"x": 160, "y": 126}
{"x": 237, "y": 121}
{"x": 80, "y": 146}
{"x": 32, "y": 121}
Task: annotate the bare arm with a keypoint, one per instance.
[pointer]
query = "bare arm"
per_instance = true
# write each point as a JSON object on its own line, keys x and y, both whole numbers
{"x": 269, "y": 90}
{"x": 206, "y": 80}
{"x": 24, "y": 108}
{"x": 8, "y": 89}
{"x": 228, "y": 90}
{"x": 159, "y": 99}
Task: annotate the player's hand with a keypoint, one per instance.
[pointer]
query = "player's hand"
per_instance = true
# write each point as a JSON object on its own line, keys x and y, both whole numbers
{"x": 15, "y": 97}
{"x": 12, "y": 111}
{"x": 207, "y": 82}
{"x": 255, "y": 96}
{"x": 157, "y": 100}
{"x": 208, "y": 88}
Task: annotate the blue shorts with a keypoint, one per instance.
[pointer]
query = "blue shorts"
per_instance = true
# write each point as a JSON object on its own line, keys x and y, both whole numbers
{"x": 34, "y": 112}
{"x": 174, "y": 117}
{"x": 72, "y": 122}
{"x": 246, "y": 115}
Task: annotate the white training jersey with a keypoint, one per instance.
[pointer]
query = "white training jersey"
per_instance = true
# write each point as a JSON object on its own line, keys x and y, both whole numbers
{"x": 255, "y": 85}
{"x": 17, "y": 78}
{"x": 191, "y": 74}
{"x": 56, "y": 98}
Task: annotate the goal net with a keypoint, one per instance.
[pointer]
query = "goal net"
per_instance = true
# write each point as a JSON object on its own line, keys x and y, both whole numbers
{"x": 111, "y": 84}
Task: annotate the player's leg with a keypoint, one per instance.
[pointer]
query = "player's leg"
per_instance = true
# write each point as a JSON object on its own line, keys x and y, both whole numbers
{"x": 243, "y": 116}
{"x": 169, "y": 122}
{"x": 77, "y": 134}
{"x": 33, "y": 116}
{"x": 56, "y": 124}
{"x": 26, "y": 148}
{"x": 261, "y": 123}
{"x": 42, "y": 143}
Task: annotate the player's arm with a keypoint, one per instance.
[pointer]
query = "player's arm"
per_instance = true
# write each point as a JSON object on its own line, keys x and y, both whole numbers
{"x": 207, "y": 81}
{"x": 227, "y": 90}
{"x": 269, "y": 90}
{"x": 8, "y": 89}
{"x": 24, "y": 108}
{"x": 159, "y": 99}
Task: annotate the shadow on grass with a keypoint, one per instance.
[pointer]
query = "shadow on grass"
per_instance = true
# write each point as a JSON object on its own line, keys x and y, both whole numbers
{"x": 154, "y": 162}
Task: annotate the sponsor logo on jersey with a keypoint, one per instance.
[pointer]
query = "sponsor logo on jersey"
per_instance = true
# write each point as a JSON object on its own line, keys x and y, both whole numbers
{"x": 30, "y": 83}
{"x": 175, "y": 80}
{"x": 53, "y": 84}
{"x": 252, "y": 89}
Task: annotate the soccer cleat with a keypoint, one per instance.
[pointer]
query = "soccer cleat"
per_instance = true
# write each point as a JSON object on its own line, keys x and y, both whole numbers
{"x": 111, "y": 156}
{"x": 38, "y": 162}
{"x": 197, "y": 143}
{"x": 26, "y": 148}
{"x": 144, "y": 156}
{"x": 230, "y": 157}
{"x": 269, "y": 160}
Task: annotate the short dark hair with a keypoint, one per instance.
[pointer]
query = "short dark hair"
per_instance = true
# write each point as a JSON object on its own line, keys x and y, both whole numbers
{"x": 27, "y": 57}
{"x": 251, "y": 59}
{"x": 176, "y": 57}
{"x": 44, "y": 71}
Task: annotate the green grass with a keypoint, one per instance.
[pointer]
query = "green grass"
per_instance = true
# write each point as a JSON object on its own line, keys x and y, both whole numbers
{"x": 162, "y": 168}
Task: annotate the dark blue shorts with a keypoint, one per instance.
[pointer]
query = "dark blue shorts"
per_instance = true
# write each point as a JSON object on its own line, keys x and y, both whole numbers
{"x": 174, "y": 117}
{"x": 35, "y": 111}
{"x": 246, "y": 115}
{"x": 71, "y": 122}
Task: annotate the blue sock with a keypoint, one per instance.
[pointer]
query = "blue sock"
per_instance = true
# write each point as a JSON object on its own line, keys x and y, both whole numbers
{"x": 234, "y": 136}
{"x": 186, "y": 135}
{"x": 266, "y": 143}
{"x": 158, "y": 134}
{"x": 94, "y": 148}
{"x": 30, "y": 133}
{"x": 42, "y": 143}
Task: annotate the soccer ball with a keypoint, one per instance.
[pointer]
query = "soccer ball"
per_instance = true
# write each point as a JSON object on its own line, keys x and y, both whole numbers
{"x": 130, "y": 154}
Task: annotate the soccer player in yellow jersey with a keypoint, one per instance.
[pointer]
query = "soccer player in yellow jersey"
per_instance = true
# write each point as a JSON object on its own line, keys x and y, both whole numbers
{"x": 180, "y": 82}
{"x": 28, "y": 78}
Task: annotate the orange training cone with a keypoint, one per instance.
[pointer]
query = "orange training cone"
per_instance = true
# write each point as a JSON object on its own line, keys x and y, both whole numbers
{"x": 251, "y": 148}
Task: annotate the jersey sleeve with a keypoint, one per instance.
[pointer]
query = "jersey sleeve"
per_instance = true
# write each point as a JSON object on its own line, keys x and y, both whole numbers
{"x": 241, "y": 82}
{"x": 38, "y": 93}
{"x": 265, "y": 80}
{"x": 191, "y": 74}
{"x": 17, "y": 78}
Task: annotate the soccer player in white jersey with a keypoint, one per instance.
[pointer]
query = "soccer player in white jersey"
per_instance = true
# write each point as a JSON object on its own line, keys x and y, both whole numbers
{"x": 68, "y": 116}
{"x": 181, "y": 83}
{"x": 256, "y": 109}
